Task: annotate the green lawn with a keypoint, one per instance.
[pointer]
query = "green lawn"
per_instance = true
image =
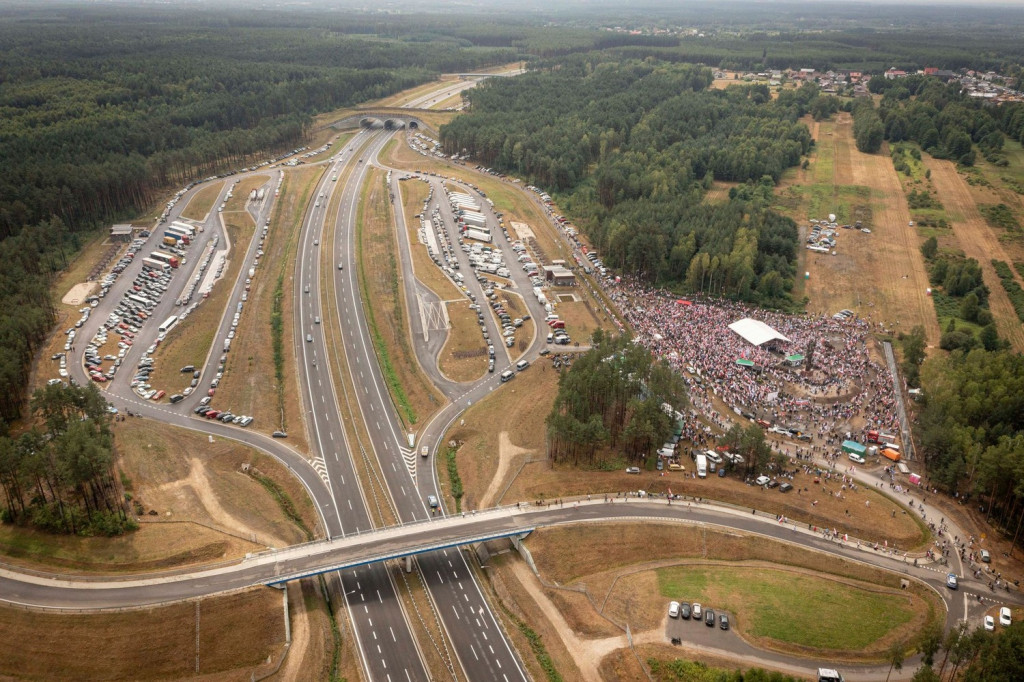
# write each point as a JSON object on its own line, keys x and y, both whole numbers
{"x": 799, "y": 609}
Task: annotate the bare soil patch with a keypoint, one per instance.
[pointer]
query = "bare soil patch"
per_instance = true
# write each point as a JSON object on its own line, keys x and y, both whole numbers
{"x": 464, "y": 356}
{"x": 237, "y": 634}
{"x": 78, "y": 293}
{"x": 309, "y": 657}
{"x": 249, "y": 378}
{"x": 202, "y": 201}
{"x": 979, "y": 241}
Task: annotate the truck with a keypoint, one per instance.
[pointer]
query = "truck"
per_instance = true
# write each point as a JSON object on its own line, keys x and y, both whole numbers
{"x": 176, "y": 236}
{"x": 153, "y": 264}
{"x": 170, "y": 241}
{"x": 189, "y": 230}
{"x": 170, "y": 260}
{"x": 702, "y": 466}
{"x": 891, "y": 454}
{"x": 880, "y": 437}
{"x": 478, "y": 235}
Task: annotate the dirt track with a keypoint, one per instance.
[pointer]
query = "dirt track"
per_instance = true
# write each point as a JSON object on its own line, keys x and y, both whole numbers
{"x": 978, "y": 241}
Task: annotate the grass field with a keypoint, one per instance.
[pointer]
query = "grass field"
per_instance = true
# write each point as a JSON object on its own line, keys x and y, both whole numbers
{"x": 798, "y": 609}
{"x": 202, "y": 201}
{"x": 250, "y": 376}
{"x": 385, "y": 306}
{"x": 239, "y": 635}
{"x": 464, "y": 356}
{"x": 189, "y": 342}
{"x": 881, "y": 275}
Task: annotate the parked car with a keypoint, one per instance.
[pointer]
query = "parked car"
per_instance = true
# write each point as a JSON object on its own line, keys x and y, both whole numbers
{"x": 673, "y": 609}
{"x": 723, "y": 621}
{"x": 1004, "y": 616}
{"x": 709, "y": 618}
{"x": 632, "y": 470}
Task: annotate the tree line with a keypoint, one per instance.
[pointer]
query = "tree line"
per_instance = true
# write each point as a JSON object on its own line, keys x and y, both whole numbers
{"x": 609, "y": 405}
{"x": 630, "y": 148}
{"x": 59, "y": 475}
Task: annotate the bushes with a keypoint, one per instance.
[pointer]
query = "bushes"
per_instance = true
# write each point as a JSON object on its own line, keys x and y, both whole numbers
{"x": 1000, "y": 215}
{"x": 1013, "y": 289}
{"x": 454, "y": 479}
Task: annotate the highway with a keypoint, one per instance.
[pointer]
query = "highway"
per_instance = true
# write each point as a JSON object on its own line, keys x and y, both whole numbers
{"x": 285, "y": 564}
{"x": 459, "y": 600}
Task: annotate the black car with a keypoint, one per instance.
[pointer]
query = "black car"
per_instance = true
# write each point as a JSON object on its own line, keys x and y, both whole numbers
{"x": 279, "y": 434}
{"x": 785, "y": 487}
{"x": 684, "y": 610}
{"x": 709, "y": 618}
{"x": 177, "y": 398}
{"x": 723, "y": 621}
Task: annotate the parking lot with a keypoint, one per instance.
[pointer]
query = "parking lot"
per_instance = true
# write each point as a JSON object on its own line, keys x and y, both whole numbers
{"x": 694, "y": 632}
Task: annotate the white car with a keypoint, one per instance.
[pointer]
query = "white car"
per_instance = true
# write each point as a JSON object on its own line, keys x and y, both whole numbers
{"x": 854, "y": 457}
{"x": 1004, "y": 616}
{"x": 673, "y": 610}
{"x": 990, "y": 623}
{"x": 762, "y": 480}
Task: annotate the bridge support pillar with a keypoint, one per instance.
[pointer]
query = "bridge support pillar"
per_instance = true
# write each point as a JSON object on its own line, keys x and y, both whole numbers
{"x": 517, "y": 542}
{"x": 408, "y": 564}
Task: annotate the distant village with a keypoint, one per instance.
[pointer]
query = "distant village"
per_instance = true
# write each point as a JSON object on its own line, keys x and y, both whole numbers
{"x": 988, "y": 86}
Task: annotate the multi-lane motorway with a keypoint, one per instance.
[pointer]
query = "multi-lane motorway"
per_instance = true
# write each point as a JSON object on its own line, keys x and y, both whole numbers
{"x": 389, "y": 649}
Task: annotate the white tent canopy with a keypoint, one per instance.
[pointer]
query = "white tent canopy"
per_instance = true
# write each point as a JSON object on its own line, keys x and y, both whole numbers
{"x": 755, "y": 331}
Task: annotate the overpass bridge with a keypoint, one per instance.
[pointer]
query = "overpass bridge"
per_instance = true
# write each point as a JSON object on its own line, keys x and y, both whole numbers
{"x": 384, "y": 117}
{"x": 273, "y": 567}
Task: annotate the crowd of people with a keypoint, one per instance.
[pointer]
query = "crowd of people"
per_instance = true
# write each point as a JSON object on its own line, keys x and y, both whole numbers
{"x": 836, "y": 389}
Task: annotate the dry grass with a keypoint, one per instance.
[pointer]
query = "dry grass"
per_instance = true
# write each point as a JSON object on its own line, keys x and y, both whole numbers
{"x": 177, "y": 472}
{"x": 874, "y": 522}
{"x": 880, "y": 275}
{"x": 201, "y": 203}
{"x": 464, "y": 356}
{"x": 189, "y": 342}
{"x": 581, "y": 318}
{"x": 979, "y": 241}
{"x": 249, "y": 376}
{"x": 309, "y": 659}
{"x": 238, "y": 633}
{"x": 152, "y": 547}
{"x": 519, "y": 409}
{"x": 385, "y": 306}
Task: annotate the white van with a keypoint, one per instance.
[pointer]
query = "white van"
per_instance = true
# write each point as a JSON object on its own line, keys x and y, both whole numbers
{"x": 521, "y": 365}
{"x": 507, "y": 375}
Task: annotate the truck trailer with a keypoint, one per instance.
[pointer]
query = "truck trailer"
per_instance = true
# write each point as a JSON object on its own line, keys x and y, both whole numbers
{"x": 153, "y": 264}
{"x": 170, "y": 240}
{"x": 479, "y": 235}
{"x": 473, "y": 219}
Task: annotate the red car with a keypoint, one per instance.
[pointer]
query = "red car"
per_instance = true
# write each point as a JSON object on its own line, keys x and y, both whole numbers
{"x": 211, "y": 392}
{"x": 212, "y": 414}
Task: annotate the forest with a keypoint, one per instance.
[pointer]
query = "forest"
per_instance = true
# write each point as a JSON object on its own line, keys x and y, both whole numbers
{"x": 971, "y": 430}
{"x": 59, "y": 475}
{"x": 610, "y": 402}
{"x": 103, "y": 112}
{"x": 629, "y": 148}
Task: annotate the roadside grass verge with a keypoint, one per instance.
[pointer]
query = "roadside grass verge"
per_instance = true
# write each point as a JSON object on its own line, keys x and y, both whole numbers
{"x": 454, "y": 481}
{"x": 384, "y": 305}
{"x": 257, "y": 385}
{"x": 202, "y": 201}
{"x": 414, "y": 193}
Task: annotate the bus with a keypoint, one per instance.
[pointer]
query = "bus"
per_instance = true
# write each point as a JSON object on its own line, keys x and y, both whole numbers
{"x": 145, "y": 302}
{"x": 169, "y": 323}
